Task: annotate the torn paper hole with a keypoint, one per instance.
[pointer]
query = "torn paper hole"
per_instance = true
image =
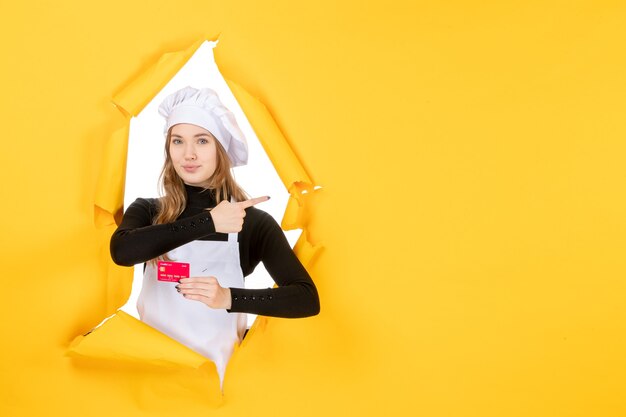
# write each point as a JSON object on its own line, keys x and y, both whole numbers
{"x": 122, "y": 336}
{"x": 145, "y": 158}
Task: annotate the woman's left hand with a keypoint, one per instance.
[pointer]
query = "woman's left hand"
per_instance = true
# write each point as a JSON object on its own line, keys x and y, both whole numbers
{"x": 206, "y": 290}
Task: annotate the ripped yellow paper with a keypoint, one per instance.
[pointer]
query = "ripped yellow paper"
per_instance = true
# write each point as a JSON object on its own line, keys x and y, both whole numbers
{"x": 117, "y": 339}
{"x": 109, "y": 198}
{"x": 123, "y": 337}
{"x": 142, "y": 89}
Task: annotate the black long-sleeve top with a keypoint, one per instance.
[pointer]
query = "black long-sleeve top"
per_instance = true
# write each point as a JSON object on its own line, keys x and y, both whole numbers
{"x": 261, "y": 239}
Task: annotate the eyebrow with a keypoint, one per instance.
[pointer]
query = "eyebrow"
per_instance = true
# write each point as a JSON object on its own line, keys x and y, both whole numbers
{"x": 195, "y": 136}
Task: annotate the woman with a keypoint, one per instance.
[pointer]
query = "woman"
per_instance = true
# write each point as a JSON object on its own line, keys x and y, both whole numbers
{"x": 200, "y": 221}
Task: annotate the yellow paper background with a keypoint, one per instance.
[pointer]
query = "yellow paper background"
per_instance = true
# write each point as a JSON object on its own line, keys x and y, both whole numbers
{"x": 472, "y": 213}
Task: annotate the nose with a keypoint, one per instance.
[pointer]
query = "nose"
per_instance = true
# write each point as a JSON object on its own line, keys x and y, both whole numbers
{"x": 190, "y": 152}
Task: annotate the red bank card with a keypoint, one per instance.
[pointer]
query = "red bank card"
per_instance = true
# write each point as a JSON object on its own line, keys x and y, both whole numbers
{"x": 172, "y": 271}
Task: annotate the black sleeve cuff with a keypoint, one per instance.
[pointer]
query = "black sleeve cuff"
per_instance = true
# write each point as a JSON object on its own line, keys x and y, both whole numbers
{"x": 200, "y": 222}
{"x": 247, "y": 300}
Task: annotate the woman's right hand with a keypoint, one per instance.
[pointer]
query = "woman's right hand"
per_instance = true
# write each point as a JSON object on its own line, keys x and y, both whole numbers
{"x": 228, "y": 217}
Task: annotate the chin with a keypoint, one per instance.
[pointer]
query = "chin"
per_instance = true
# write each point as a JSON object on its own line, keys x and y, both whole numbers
{"x": 194, "y": 180}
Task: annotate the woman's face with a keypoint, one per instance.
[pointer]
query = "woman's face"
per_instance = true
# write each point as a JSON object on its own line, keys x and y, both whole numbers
{"x": 193, "y": 153}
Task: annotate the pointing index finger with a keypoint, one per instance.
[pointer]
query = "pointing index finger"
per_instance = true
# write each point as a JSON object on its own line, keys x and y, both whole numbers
{"x": 253, "y": 201}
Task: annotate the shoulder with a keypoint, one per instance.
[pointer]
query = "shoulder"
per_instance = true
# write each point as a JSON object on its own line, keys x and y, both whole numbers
{"x": 145, "y": 203}
{"x": 145, "y": 206}
{"x": 259, "y": 226}
{"x": 260, "y": 218}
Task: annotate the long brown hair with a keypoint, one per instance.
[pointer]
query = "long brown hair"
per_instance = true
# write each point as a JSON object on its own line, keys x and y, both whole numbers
{"x": 172, "y": 188}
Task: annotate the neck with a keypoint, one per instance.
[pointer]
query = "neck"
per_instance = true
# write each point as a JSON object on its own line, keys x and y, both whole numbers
{"x": 200, "y": 196}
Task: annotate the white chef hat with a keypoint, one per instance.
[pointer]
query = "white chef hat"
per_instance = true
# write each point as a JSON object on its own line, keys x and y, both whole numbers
{"x": 202, "y": 107}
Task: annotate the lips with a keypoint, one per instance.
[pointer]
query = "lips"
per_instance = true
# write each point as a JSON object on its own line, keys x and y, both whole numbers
{"x": 190, "y": 168}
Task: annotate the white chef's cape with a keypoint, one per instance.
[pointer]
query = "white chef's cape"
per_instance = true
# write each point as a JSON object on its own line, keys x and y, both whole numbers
{"x": 211, "y": 332}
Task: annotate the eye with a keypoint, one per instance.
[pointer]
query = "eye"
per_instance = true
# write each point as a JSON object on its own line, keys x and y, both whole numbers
{"x": 176, "y": 141}
{"x": 203, "y": 141}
